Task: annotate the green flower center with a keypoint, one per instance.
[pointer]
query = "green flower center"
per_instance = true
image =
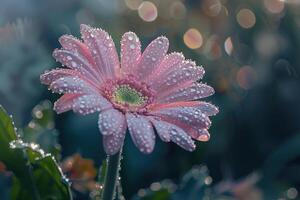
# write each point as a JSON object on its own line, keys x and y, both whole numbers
{"x": 124, "y": 94}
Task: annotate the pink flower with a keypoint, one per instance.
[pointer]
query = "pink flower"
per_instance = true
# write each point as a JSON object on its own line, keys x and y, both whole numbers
{"x": 147, "y": 92}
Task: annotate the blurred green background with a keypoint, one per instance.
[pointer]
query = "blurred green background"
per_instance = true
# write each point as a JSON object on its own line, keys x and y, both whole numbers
{"x": 250, "y": 50}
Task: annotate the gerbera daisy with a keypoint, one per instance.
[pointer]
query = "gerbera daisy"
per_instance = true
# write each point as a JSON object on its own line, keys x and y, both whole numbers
{"x": 147, "y": 92}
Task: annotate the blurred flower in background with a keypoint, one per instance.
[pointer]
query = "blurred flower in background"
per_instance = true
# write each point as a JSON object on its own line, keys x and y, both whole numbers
{"x": 81, "y": 172}
{"x": 2, "y": 167}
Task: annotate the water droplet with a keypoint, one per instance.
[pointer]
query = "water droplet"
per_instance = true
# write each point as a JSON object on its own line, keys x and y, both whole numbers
{"x": 130, "y": 38}
{"x": 132, "y": 46}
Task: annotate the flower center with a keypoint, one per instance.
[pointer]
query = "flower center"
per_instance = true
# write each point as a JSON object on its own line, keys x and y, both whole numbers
{"x": 125, "y": 95}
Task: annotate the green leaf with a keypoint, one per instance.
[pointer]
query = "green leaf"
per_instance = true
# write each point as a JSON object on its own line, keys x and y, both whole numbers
{"x": 36, "y": 174}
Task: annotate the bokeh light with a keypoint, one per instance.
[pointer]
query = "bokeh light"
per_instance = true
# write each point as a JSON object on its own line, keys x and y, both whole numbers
{"x": 148, "y": 11}
{"x": 177, "y": 10}
{"x": 246, "y": 18}
{"x": 133, "y": 4}
{"x": 212, "y": 48}
{"x": 246, "y": 77}
{"x": 193, "y": 38}
{"x": 274, "y": 6}
{"x": 228, "y": 46}
{"x": 212, "y": 7}
{"x": 292, "y": 193}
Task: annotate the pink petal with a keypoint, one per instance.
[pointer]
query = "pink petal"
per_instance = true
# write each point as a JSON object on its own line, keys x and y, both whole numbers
{"x": 110, "y": 121}
{"x": 203, "y": 136}
{"x": 90, "y": 103}
{"x": 103, "y": 50}
{"x": 194, "y": 91}
{"x": 192, "y": 130}
{"x": 130, "y": 52}
{"x": 181, "y": 138}
{"x": 74, "y": 45}
{"x": 175, "y": 134}
{"x": 152, "y": 57}
{"x": 141, "y": 132}
{"x": 112, "y": 125}
{"x": 76, "y": 62}
{"x": 158, "y": 106}
{"x": 186, "y": 74}
{"x": 71, "y": 85}
{"x": 65, "y": 103}
{"x": 207, "y": 108}
{"x": 170, "y": 62}
{"x": 49, "y": 76}
{"x": 162, "y": 129}
{"x": 187, "y": 115}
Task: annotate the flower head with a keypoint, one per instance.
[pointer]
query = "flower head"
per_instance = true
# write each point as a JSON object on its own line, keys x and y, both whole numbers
{"x": 147, "y": 92}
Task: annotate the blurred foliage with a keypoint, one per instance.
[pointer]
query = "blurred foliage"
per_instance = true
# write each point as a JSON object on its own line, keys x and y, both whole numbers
{"x": 41, "y": 129}
{"x": 36, "y": 174}
{"x": 23, "y": 59}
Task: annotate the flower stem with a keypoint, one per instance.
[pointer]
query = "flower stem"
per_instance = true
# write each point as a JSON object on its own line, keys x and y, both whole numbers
{"x": 112, "y": 175}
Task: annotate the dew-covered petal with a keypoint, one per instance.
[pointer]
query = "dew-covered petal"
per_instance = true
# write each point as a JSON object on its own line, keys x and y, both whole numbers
{"x": 181, "y": 138}
{"x": 71, "y": 85}
{"x": 110, "y": 121}
{"x": 141, "y": 132}
{"x": 73, "y": 44}
{"x": 162, "y": 129}
{"x": 203, "y": 135}
{"x": 158, "y": 106}
{"x": 207, "y": 108}
{"x": 76, "y": 62}
{"x": 112, "y": 125}
{"x": 169, "y": 63}
{"x": 49, "y": 76}
{"x": 193, "y": 130}
{"x": 90, "y": 103}
{"x": 186, "y": 74}
{"x": 194, "y": 91}
{"x": 65, "y": 103}
{"x": 187, "y": 115}
{"x": 152, "y": 57}
{"x": 171, "y": 132}
{"x": 103, "y": 50}
{"x": 130, "y": 52}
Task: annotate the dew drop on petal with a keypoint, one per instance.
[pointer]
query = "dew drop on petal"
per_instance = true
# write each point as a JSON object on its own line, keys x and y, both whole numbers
{"x": 130, "y": 38}
{"x": 74, "y": 64}
{"x": 132, "y": 46}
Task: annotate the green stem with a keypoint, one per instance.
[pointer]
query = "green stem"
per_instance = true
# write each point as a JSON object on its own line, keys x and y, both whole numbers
{"x": 112, "y": 175}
